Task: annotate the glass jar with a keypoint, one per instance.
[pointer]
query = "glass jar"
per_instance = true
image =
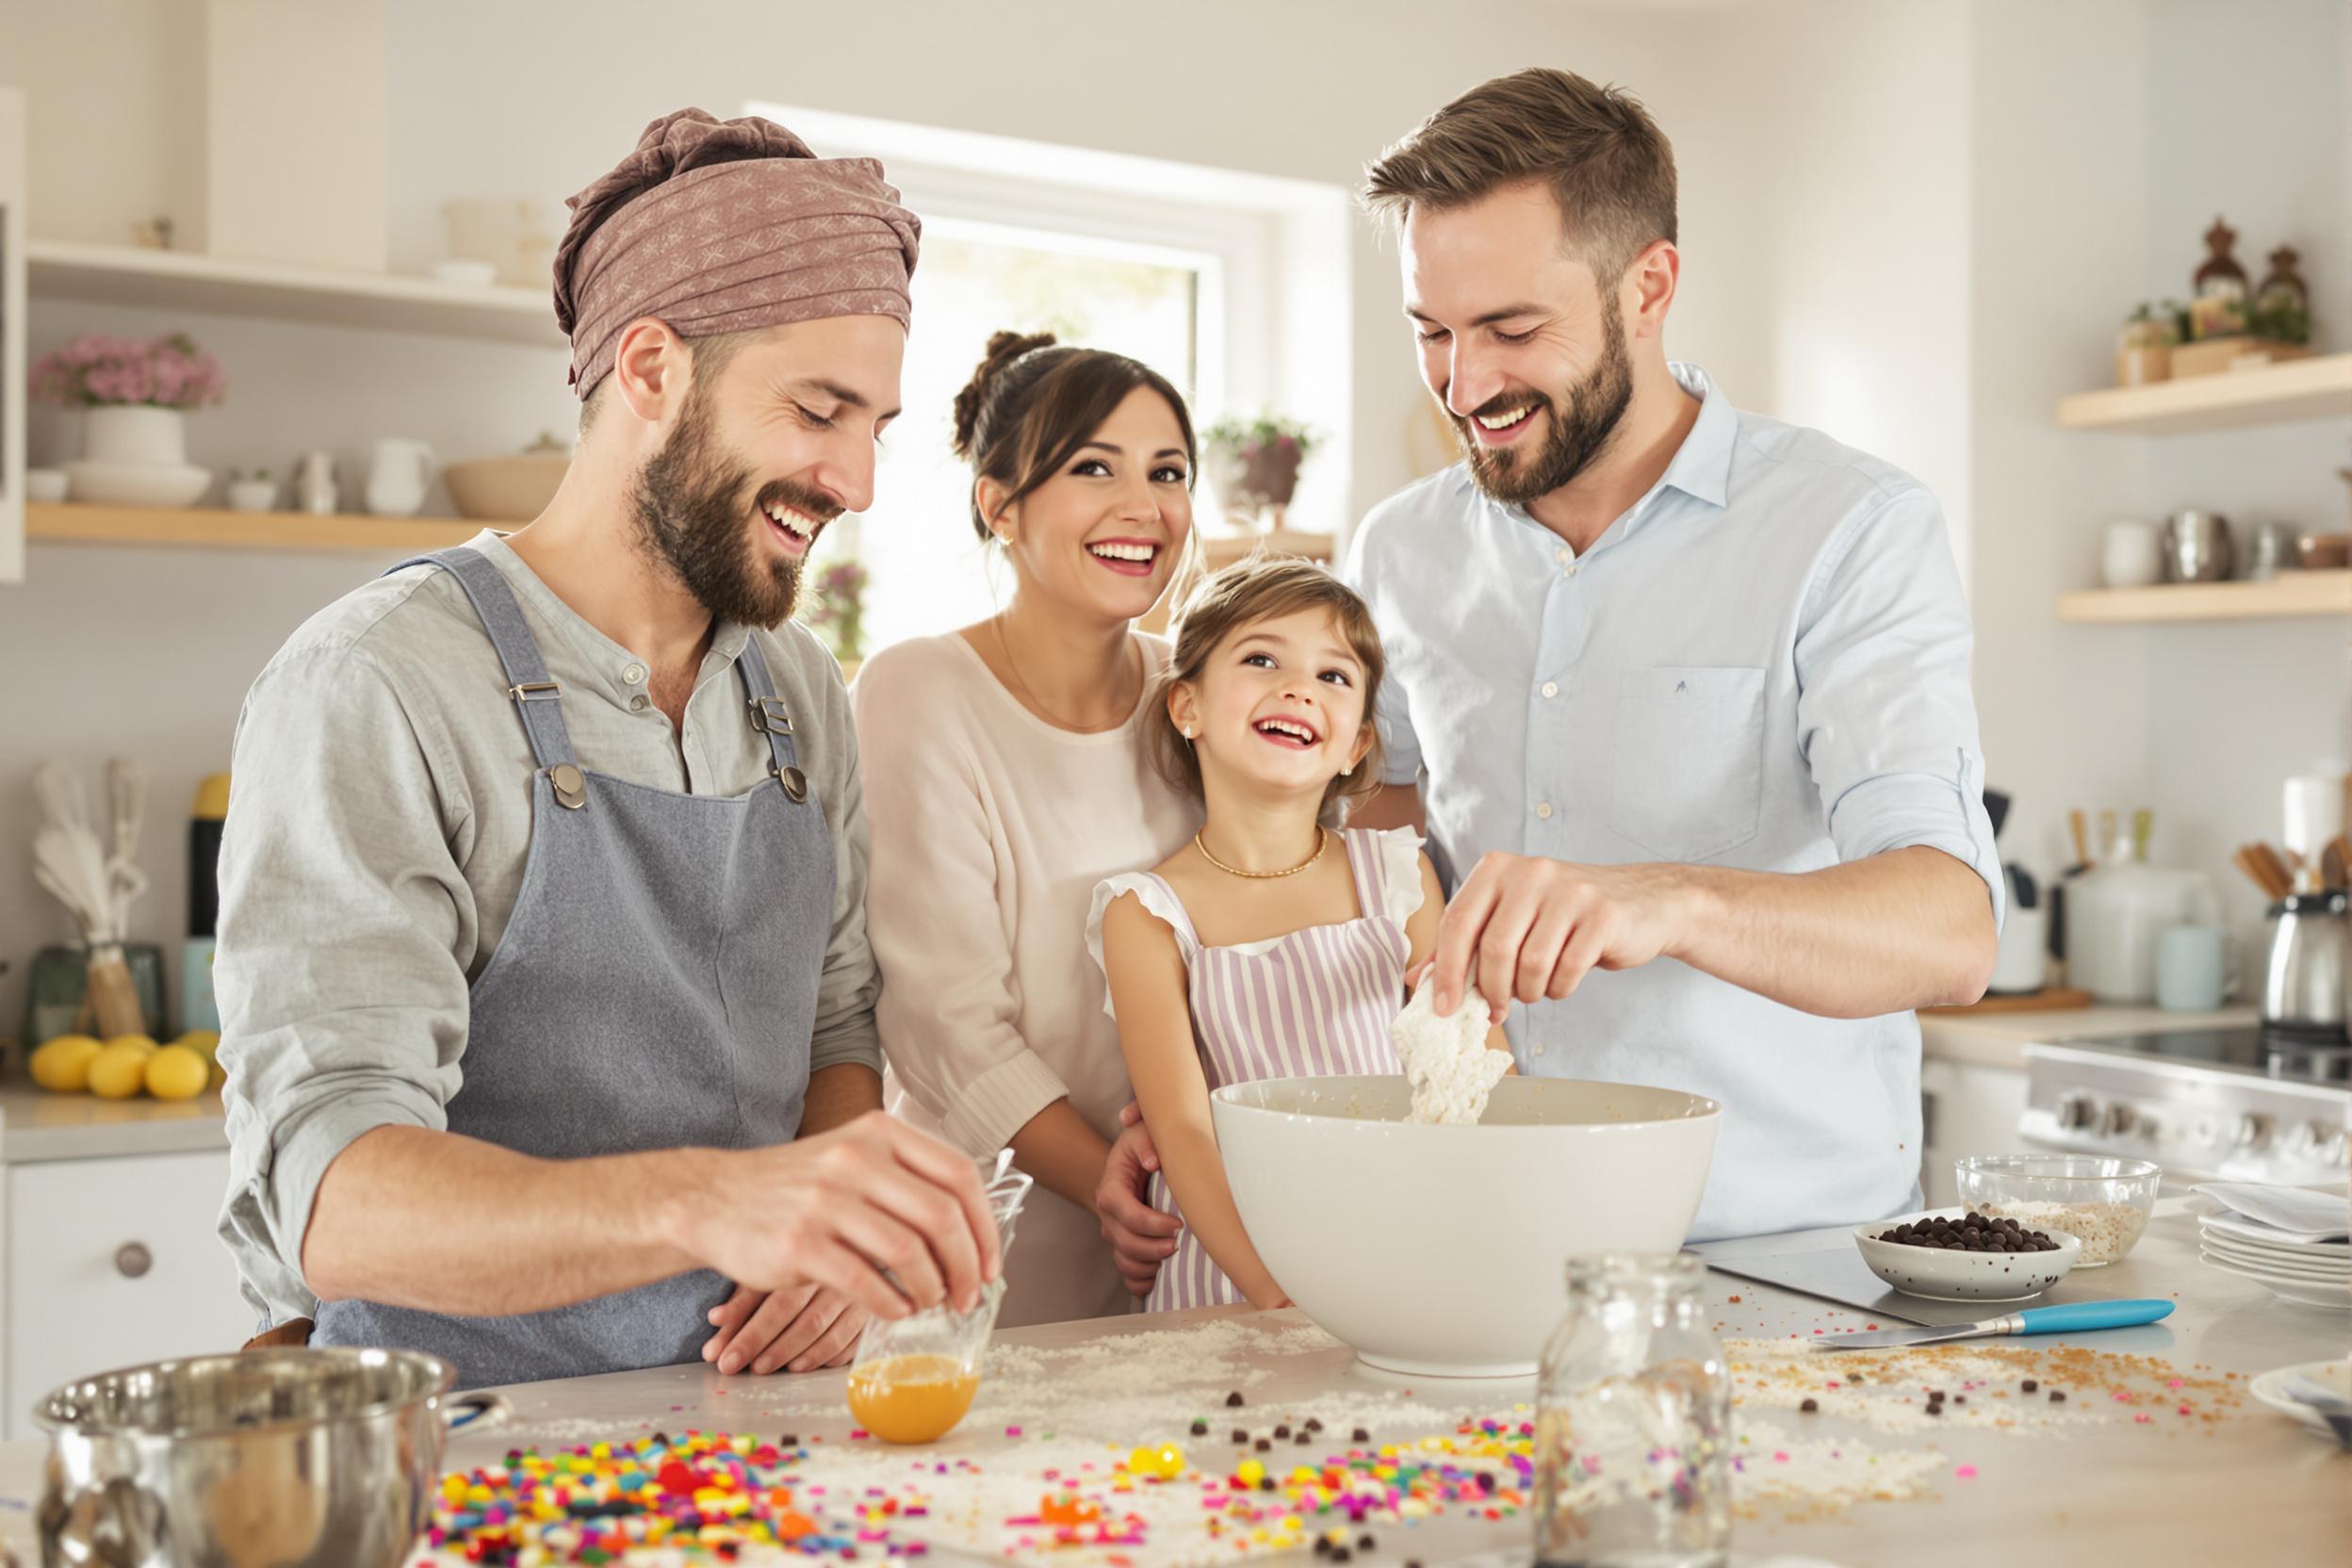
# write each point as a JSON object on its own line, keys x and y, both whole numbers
{"x": 1633, "y": 1421}
{"x": 912, "y": 1380}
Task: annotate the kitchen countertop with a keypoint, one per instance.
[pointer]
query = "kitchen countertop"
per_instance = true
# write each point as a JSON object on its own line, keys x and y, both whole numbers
{"x": 2238, "y": 1482}
{"x": 1999, "y": 1039}
{"x": 36, "y": 1125}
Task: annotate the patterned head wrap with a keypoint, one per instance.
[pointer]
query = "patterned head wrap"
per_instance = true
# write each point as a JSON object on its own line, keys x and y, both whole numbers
{"x": 717, "y": 227}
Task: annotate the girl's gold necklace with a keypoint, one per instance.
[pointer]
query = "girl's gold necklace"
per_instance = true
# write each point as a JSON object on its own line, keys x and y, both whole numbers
{"x": 1322, "y": 842}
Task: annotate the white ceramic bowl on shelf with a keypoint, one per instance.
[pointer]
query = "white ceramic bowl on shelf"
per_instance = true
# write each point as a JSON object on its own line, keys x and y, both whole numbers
{"x": 1440, "y": 1250}
{"x": 160, "y": 484}
{"x": 1937, "y": 1275}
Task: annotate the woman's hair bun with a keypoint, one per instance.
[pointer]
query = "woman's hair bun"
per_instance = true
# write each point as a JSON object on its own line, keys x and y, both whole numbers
{"x": 1003, "y": 348}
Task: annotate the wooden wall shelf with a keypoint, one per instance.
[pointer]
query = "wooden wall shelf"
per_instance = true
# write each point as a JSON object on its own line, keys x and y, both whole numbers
{"x": 2314, "y": 389}
{"x": 180, "y": 280}
{"x": 2327, "y": 593}
{"x": 194, "y": 529}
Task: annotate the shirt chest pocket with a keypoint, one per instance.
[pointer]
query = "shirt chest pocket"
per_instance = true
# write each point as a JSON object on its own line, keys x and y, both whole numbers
{"x": 1686, "y": 769}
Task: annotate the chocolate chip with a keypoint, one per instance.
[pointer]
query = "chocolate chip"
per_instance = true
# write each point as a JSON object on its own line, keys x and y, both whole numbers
{"x": 1360, "y": 1435}
{"x": 2057, "y": 1397}
{"x": 1282, "y": 1430}
{"x": 1322, "y": 1546}
{"x": 1233, "y": 1401}
{"x": 1312, "y": 1425}
{"x": 1265, "y": 1484}
{"x": 1240, "y": 1436}
{"x": 1959, "y": 1398}
{"x": 788, "y": 1442}
{"x": 1810, "y": 1406}
{"x": 1365, "y": 1542}
{"x": 2030, "y": 1385}
{"x": 1263, "y": 1444}
{"x": 1341, "y": 1553}
{"x": 1200, "y": 1428}
{"x": 1303, "y": 1440}
{"x": 1934, "y": 1409}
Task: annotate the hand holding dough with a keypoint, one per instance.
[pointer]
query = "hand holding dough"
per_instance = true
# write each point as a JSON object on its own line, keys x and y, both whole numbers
{"x": 1446, "y": 1061}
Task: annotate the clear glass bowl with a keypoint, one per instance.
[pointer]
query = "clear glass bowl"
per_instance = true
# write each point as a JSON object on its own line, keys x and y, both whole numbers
{"x": 2102, "y": 1203}
{"x": 912, "y": 1380}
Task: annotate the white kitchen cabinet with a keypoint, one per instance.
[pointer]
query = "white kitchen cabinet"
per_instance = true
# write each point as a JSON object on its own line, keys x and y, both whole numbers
{"x": 1968, "y": 1108}
{"x": 113, "y": 1262}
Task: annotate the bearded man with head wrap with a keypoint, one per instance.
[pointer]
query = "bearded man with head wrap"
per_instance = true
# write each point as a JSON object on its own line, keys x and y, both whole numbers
{"x": 547, "y": 1008}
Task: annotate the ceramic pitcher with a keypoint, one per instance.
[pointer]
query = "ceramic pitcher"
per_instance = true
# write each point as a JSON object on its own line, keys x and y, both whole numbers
{"x": 398, "y": 475}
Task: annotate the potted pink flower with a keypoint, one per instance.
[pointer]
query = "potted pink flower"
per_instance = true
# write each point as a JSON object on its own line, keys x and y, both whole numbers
{"x": 135, "y": 394}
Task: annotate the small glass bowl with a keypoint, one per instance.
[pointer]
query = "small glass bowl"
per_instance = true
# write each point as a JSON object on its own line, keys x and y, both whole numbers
{"x": 2102, "y": 1203}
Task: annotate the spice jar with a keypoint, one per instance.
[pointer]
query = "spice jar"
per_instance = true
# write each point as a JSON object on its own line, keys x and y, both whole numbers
{"x": 1633, "y": 1420}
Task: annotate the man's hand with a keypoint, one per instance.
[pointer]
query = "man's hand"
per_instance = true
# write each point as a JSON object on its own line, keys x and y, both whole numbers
{"x": 837, "y": 1209}
{"x": 1535, "y": 928}
{"x": 1141, "y": 1236}
{"x": 799, "y": 1329}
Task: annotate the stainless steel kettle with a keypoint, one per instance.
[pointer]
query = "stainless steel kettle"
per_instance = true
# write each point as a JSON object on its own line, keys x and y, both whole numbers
{"x": 2304, "y": 982}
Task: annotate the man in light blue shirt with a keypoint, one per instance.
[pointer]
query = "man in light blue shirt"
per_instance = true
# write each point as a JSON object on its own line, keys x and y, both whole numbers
{"x": 1684, "y": 691}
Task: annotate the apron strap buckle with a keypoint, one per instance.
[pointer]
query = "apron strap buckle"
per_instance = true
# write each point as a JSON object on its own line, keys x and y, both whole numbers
{"x": 768, "y": 716}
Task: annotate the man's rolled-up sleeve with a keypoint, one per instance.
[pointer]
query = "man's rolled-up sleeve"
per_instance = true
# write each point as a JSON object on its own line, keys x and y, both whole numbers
{"x": 1885, "y": 712}
{"x": 343, "y": 913}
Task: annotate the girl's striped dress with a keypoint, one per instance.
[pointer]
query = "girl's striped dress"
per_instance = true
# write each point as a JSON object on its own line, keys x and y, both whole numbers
{"x": 1315, "y": 1002}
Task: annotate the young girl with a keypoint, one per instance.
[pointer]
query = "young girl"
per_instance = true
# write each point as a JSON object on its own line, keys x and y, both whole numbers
{"x": 1270, "y": 945}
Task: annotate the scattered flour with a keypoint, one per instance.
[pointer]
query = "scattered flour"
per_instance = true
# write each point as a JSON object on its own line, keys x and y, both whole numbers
{"x": 1445, "y": 1059}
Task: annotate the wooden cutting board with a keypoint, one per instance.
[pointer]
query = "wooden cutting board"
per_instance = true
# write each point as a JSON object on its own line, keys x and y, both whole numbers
{"x": 2030, "y": 1001}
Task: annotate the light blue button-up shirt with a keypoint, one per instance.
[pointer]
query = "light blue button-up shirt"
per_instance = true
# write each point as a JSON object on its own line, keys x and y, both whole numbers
{"x": 1763, "y": 664}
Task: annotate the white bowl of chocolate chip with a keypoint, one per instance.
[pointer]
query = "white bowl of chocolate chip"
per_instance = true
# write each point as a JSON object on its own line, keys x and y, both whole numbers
{"x": 1442, "y": 1251}
{"x": 1960, "y": 1255}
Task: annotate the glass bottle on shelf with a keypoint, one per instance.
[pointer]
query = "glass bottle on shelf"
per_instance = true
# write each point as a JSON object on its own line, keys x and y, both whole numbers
{"x": 1633, "y": 1421}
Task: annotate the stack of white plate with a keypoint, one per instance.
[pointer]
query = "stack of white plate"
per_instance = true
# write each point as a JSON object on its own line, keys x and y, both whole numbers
{"x": 2307, "y": 1259}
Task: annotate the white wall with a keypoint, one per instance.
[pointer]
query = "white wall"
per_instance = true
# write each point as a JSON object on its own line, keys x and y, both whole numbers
{"x": 151, "y": 651}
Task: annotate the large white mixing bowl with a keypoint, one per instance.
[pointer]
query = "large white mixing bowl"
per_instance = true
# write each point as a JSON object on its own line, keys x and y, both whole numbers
{"x": 1440, "y": 1250}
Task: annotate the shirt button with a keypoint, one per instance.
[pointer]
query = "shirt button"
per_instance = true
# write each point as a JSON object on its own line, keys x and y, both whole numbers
{"x": 634, "y": 673}
{"x": 637, "y": 703}
{"x": 1564, "y": 555}
{"x": 1575, "y": 567}
{"x": 1543, "y": 810}
{"x": 1535, "y": 1050}
{"x": 1551, "y": 688}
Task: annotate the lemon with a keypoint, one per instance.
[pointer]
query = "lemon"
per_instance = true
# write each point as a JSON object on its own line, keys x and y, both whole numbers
{"x": 142, "y": 1042}
{"x": 176, "y": 1072}
{"x": 204, "y": 1042}
{"x": 119, "y": 1071}
{"x": 62, "y": 1065}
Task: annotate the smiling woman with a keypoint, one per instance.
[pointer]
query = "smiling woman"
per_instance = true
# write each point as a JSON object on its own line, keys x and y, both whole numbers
{"x": 1006, "y": 773}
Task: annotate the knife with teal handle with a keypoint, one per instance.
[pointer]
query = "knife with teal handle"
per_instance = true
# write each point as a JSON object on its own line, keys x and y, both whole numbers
{"x": 2073, "y": 1317}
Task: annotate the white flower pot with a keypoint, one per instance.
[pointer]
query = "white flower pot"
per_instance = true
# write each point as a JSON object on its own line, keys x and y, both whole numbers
{"x": 136, "y": 433}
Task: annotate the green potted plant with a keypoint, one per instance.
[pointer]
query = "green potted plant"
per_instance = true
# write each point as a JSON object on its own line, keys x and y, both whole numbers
{"x": 1254, "y": 464}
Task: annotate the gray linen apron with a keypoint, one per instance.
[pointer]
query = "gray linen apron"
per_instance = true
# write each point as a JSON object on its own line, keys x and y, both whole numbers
{"x": 655, "y": 989}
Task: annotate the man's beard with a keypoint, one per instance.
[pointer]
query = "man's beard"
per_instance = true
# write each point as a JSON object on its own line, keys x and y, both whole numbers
{"x": 1578, "y": 434}
{"x": 693, "y": 515}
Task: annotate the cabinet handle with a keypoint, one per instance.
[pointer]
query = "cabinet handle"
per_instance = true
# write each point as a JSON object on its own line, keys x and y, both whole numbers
{"x": 131, "y": 1260}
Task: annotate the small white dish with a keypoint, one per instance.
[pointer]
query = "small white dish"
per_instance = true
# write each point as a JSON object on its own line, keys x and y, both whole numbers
{"x": 2333, "y": 1375}
{"x": 2303, "y": 1292}
{"x": 163, "y": 484}
{"x": 2255, "y": 1234}
{"x": 461, "y": 274}
{"x": 1936, "y": 1275}
{"x": 2314, "y": 1268}
{"x": 46, "y": 486}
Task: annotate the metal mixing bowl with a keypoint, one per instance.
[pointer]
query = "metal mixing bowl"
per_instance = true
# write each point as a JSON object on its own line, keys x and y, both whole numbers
{"x": 289, "y": 1458}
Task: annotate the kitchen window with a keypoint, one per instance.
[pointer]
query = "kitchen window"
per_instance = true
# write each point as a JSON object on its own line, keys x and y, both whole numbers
{"x": 1232, "y": 285}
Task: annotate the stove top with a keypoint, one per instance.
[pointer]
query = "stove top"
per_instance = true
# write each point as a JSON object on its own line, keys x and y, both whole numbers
{"x": 2262, "y": 1052}
{"x": 2240, "y": 1103}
